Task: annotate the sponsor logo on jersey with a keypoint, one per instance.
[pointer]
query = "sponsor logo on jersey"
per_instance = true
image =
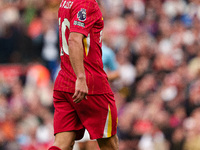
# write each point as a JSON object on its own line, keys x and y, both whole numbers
{"x": 78, "y": 23}
{"x": 82, "y": 15}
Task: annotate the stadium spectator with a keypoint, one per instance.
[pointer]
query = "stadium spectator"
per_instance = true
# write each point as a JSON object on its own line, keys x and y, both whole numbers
{"x": 157, "y": 47}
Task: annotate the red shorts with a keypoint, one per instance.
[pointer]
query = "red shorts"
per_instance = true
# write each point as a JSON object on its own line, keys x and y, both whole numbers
{"x": 98, "y": 114}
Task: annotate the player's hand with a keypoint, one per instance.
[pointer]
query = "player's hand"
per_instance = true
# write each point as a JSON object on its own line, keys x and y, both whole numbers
{"x": 81, "y": 90}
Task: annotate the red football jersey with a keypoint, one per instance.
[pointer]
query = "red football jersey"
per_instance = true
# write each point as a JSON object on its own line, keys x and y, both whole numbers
{"x": 82, "y": 16}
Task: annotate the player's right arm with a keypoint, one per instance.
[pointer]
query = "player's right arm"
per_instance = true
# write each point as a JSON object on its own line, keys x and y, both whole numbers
{"x": 76, "y": 55}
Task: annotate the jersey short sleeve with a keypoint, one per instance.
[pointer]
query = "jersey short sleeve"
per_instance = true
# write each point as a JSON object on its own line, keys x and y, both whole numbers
{"x": 83, "y": 16}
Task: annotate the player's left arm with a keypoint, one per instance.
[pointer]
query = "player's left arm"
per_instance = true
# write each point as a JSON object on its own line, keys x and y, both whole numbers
{"x": 76, "y": 55}
{"x": 113, "y": 74}
{"x": 113, "y": 71}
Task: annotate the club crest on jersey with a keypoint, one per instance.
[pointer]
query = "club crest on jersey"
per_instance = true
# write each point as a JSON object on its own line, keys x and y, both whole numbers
{"x": 82, "y": 15}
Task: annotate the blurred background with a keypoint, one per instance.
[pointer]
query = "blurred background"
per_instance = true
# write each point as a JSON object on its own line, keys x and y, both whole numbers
{"x": 157, "y": 48}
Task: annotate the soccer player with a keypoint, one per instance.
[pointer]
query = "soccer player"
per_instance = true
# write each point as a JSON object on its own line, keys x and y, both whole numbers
{"x": 111, "y": 69}
{"x": 82, "y": 95}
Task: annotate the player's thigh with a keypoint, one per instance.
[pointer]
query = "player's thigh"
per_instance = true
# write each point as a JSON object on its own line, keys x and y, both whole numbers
{"x": 65, "y": 116}
{"x": 99, "y": 115}
{"x": 91, "y": 145}
{"x": 110, "y": 143}
{"x": 65, "y": 140}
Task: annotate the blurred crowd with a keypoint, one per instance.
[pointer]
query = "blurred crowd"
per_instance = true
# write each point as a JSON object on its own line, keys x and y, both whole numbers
{"x": 157, "y": 48}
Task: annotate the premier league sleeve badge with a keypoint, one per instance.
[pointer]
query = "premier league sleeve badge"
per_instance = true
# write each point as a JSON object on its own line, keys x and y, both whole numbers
{"x": 82, "y": 15}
